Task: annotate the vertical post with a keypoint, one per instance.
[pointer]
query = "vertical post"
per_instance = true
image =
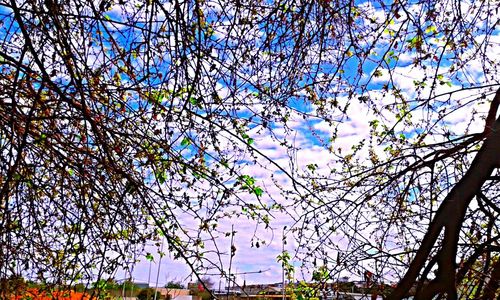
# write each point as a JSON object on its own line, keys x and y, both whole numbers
{"x": 283, "y": 264}
{"x": 159, "y": 266}
{"x": 149, "y": 276}
{"x": 232, "y": 252}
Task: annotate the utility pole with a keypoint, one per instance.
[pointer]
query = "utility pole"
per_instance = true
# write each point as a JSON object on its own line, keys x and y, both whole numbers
{"x": 283, "y": 264}
{"x": 232, "y": 252}
{"x": 159, "y": 266}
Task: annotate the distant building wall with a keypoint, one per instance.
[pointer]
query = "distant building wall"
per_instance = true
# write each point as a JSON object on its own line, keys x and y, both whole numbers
{"x": 186, "y": 297}
{"x": 176, "y": 294}
{"x": 252, "y": 297}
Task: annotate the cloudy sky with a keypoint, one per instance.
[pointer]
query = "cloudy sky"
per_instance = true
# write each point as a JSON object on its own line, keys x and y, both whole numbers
{"x": 257, "y": 263}
{"x": 250, "y": 259}
{"x": 311, "y": 150}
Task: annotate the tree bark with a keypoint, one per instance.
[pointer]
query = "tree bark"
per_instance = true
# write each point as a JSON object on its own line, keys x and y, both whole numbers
{"x": 491, "y": 288}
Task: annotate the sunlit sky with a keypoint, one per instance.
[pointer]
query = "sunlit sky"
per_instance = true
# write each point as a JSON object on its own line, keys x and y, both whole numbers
{"x": 253, "y": 264}
{"x": 248, "y": 259}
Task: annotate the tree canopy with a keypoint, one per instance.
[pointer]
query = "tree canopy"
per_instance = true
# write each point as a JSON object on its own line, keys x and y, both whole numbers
{"x": 372, "y": 126}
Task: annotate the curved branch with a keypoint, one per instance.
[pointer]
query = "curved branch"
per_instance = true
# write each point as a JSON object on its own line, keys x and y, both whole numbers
{"x": 449, "y": 218}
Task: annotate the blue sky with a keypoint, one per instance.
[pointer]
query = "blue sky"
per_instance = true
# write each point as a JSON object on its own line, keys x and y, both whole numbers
{"x": 312, "y": 139}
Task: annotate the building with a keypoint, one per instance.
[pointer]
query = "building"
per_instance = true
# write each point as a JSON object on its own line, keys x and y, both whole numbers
{"x": 176, "y": 294}
{"x": 139, "y": 284}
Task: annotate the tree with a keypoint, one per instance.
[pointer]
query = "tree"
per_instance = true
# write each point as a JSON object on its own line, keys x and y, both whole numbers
{"x": 202, "y": 288}
{"x": 148, "y": 294}
{"x": 15, "y": 285}
{"x": 119, "y": 121}
{"x": 174, "y": 285}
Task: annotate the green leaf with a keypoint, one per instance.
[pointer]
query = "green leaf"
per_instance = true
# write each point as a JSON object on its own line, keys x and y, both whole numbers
{"x": 194, "y": 101}
{"x": 149, "y": 257}
{"x": 249, "y": 180}
{"x": 374, "y": 123}
{"x": 312, "y": 167}
{"x": 185, "y": 142}
{"x": 265, "y": 219}
{"x": 124, "y": 233}
{"x": 161, "y": 176}
{"x": 258, "y": 191}
{"x": 431, "y": 29}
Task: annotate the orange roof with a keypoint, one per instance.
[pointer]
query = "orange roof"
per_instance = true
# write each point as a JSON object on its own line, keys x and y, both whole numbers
{"x": 34, "y": 294}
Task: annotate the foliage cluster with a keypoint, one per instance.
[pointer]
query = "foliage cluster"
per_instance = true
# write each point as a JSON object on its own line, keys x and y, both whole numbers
{"x": 174, "y": 285}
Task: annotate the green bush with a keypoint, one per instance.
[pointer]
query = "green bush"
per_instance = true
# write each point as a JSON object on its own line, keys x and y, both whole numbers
{"x": 148, "y": 294}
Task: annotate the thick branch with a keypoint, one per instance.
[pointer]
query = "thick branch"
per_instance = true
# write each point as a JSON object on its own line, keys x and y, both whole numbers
{"x": 450, "y": 216}
{"x": 493, "y": 283}
{"x": 492, "y": 113}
